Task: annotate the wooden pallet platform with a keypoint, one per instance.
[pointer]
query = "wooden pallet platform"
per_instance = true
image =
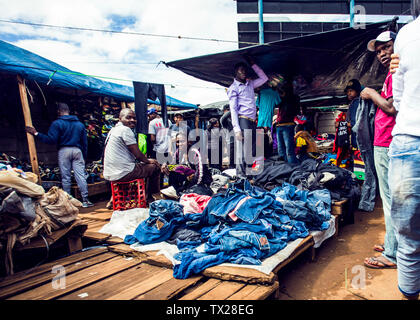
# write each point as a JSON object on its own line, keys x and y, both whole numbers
{"x": 98, "y": 218}
{"x": 99, "y": 274}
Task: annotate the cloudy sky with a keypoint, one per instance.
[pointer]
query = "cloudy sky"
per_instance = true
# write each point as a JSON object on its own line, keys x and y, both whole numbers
{"x": 124, "y": 56}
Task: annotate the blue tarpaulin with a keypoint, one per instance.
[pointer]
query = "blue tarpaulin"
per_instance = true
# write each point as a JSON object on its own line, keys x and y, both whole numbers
{"x": 15, "y": 60}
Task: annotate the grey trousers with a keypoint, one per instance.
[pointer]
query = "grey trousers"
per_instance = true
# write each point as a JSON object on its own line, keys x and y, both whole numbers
{"x": 72, "y": 158}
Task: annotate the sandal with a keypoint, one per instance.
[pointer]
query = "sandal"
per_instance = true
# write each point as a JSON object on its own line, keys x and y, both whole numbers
{"x": 379, "y": 247}
{"x": 379, "y": 263}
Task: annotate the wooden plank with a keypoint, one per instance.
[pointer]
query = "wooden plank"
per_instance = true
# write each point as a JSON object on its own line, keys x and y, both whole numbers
{"x": 26, "y": 274}
{"x": 337, "y": 207}
{"x": 94, "y": 223}
{"x": 45, "y": 278}
{"x": 114, "y": 284}
{"x": 244, "y": 292}
{"x": 123, "y": 249}
{"x": 239, "y": 274}
{"x": 143, "y": 285}
{"x": 96, "y": 236}
{"x": 255, "y": 292}
{"x": 79, "y": 279}
{"x": 74, "y": 244}
{"x": 169, "y": 289}
{"x": 28, "y": 122}
{"x": 223, "y": 291}
{"x": 114, "y": 240}
{"x": 101, "y": 216}
{"x": 307, "y": 243}
{"x": 97, "y": 227}
{"x": 158, "y": 260}
{"x": 202, "y": 289}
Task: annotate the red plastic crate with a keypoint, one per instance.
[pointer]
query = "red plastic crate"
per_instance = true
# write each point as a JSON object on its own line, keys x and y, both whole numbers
{"x": 128, "y": 195}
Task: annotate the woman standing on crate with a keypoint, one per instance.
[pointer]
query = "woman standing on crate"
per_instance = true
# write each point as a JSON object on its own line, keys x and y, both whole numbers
{"x": 123, "y": 160}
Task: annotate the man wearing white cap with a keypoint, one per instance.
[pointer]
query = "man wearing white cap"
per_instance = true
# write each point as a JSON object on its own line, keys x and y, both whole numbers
{"x": 383, "y": 46}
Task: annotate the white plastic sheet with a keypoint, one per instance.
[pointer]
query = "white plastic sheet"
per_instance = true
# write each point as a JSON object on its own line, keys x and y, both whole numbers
{"x": 124, "y": 223}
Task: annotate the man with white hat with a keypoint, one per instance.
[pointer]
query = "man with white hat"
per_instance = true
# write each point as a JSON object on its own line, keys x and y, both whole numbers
{"x": 383, "y": 46}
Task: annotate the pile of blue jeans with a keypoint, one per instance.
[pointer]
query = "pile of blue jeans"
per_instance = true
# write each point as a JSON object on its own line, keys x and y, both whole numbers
{"x": 243, "y": 225}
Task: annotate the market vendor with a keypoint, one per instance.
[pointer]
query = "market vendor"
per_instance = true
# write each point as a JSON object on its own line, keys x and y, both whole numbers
{"x": 71, "y": 138}
{"x": 123, "y": 160}
{"x": 383, "y": 48}
{"x": 243, "y": 109}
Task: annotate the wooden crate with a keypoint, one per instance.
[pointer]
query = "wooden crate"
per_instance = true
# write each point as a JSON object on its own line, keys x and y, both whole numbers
{"x": 93, "y": 188}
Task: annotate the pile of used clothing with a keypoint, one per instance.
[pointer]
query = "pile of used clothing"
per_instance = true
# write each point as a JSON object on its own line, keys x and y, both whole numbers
{"x": 241, "y": 224}
{"x": 313, "y": 175}
{"x": 27, "y": 211}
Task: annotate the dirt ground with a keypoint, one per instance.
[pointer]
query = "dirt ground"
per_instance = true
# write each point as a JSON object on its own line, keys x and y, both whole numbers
{"x": 336, "y": 258}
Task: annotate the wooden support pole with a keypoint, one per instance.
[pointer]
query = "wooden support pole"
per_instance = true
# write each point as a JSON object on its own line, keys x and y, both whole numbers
{"x": 28, "y": 122}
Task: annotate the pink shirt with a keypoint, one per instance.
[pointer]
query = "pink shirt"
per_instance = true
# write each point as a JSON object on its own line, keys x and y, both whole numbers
{"x": 384, "y": 123}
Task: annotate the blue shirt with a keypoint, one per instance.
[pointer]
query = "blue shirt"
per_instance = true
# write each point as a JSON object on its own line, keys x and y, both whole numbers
{"x": 66, "y": 131}
{"x": 266, "y": 101}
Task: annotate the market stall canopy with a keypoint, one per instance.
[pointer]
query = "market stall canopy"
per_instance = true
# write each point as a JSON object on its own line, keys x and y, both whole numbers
{"x": 15, "y": 60}
{"x": 320, "y": 64}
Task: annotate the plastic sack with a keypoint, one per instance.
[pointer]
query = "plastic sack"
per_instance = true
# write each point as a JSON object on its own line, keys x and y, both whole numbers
{"x": 20, "y": 206}
{"x": 60, "y": 206}
{"x": 28, "y": 186}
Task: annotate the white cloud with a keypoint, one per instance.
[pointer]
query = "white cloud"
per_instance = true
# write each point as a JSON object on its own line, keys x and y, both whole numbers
{"x": 215, "y": 19}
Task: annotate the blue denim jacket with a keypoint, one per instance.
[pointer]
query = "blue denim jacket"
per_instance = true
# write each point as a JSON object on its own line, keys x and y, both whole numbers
{"x": 164, "y": 217}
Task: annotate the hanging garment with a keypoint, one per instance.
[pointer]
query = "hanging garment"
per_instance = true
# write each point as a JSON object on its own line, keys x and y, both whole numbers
{"x": 342, "y": 138}
{"x": 364, "y": 129}
{"x": 142, "y": 92}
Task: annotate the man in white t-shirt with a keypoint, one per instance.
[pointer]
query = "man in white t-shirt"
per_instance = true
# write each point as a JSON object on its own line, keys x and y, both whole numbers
{"x": 123, "y": 160}
{"x": 404, "y": 155}
{"x": 158, "y": 133}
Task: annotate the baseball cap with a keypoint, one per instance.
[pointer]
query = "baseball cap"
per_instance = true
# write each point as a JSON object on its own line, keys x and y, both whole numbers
{"x": 151, "y": 110}
{"x": 383, "y": 37}
{"x": 353, "y": 84}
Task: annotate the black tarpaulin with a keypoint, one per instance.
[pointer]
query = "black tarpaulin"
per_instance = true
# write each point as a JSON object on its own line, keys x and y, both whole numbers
{"x": 320, "y": 64}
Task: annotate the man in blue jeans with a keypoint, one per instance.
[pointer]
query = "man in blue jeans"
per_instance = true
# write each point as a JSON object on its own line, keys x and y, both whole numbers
{"x": 404, "y": 154}
{"x": 383, "y": 46}
{"x": 70, "y": 136}
{"x": 244, "y": 111}
{"x": 288, "y": 109}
